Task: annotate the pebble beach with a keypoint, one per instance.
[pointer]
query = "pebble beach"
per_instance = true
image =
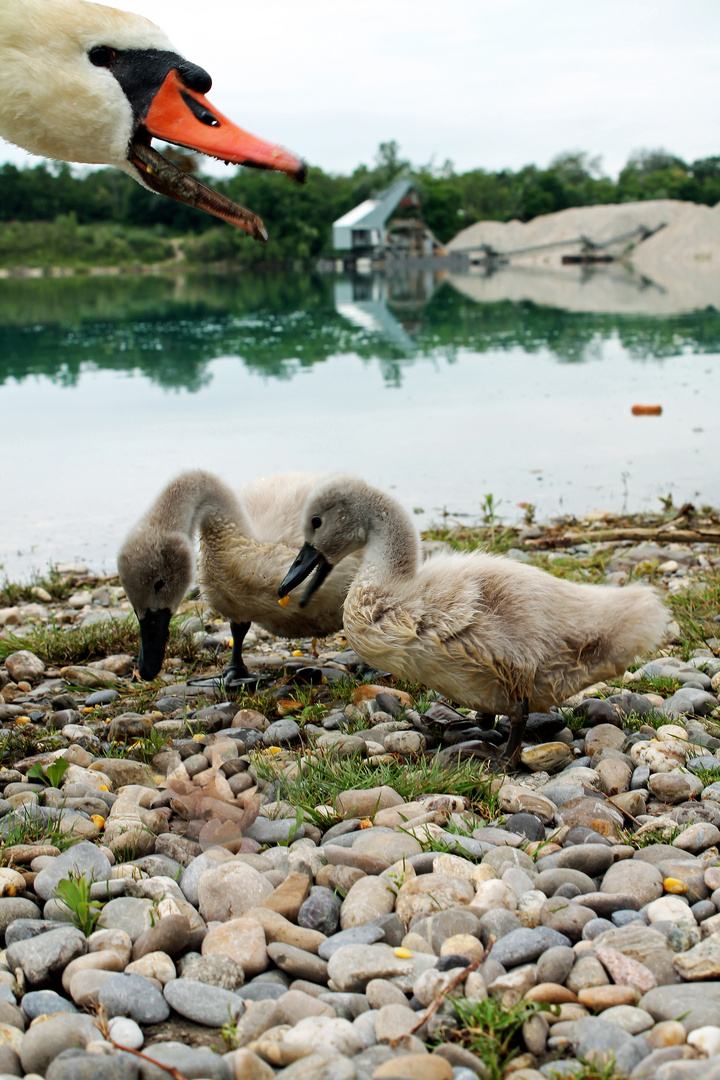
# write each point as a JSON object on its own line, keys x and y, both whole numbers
{"x": 333, "y": 877}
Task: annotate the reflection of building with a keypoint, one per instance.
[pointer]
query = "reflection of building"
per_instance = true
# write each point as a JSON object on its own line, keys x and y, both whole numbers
{"x": 368, "y": 232}
{"x": 392, "y": 307}
{"x": 363, "y": 302}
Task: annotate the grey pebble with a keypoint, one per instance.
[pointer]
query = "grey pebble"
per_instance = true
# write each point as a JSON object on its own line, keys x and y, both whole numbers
{"x": 84, "y": 858}
{"x": 45, "y": 1002}
{"x": 134, "y": 996}
{"x": 77, "y": 1065}
{"x": 14, "y": 908}
{"x": 357, "y": 935}
{"x": 274, "y": 831}
{"x": 47, "y": 954}
{"x": 102, "y": 697}
{"x": 209, "y": 1005}
{"x": 320, "y": 911}
{"x": 261, "y": 991}
{"x": 26, "y": 928}
{"x": 525, "y": 945}
{"x": 281, "y": 733}
{"x": 194, "y": 1063}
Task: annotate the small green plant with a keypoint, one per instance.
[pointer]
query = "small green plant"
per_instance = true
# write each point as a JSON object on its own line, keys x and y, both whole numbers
{"x": 52, "y": 775}
{"x": 151, "y": 744}
{"x": 694, "y": 610}
{"x": 299, "y": 819}
{"x": 74, "y": 891}
{"x": 489, "y": 510}
{"x": 590, "y": 1070}
{"x": 634, "y": 721}
{"x": 643, "y": 839}
{"x": 656, "y": 684}
{"x": 490, "y": 1030}
{"x": 33, "y": 830}
{"x": 229, "y": 1033}
{"x": 708, "y": 776}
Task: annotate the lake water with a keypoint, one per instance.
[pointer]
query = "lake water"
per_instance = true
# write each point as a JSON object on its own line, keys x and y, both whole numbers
{"x": 110, "y": 386}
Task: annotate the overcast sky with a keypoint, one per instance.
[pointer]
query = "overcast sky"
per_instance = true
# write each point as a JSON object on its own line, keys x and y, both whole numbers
{"x": 488, "y": 83}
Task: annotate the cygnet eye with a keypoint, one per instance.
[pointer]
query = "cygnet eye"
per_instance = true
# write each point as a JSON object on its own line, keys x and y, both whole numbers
{"x": 158, "y": 585}
{"x": 101, "y": 56}
{"x": 316, "y": 522}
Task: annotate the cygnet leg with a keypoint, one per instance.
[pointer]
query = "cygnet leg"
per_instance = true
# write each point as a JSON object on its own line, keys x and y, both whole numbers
{"x": 236, "y": 669}
{"x": 518, "y": 715}
{"x": 236, "y": 675}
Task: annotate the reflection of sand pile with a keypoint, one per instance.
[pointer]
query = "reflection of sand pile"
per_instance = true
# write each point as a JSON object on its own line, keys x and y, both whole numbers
{"x": 677, "y": 269}
{"x": 573, "y": 288}
{"x": 598, "y": 288}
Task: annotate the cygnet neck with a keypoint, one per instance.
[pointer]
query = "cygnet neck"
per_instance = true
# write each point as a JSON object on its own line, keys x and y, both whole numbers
{"x": 393, "y": 545}
{"x": 194, "y": 502}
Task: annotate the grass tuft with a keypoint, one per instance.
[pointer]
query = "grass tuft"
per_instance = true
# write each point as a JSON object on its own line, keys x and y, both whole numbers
{"x": 63, "y": 646}
{"x": 492, "y": 1031}
{"x": 694, "y": 609}
{"x": 327, "y": 777}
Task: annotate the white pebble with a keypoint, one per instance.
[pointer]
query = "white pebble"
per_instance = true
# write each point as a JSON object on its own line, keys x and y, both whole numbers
{"x": 668, "y": 909}
{"x": 126, "y": 1032}
{"x": 706, "y": 1039}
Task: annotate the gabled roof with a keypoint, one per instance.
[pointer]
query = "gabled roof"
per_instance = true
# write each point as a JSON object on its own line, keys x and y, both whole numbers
{"x": 373, "y": 213}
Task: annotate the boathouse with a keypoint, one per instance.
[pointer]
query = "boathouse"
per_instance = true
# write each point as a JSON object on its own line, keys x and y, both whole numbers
{"x": 365, "y": 231}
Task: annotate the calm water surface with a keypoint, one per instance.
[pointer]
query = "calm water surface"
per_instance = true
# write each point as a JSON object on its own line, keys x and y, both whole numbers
{"x": 109, "y": 386}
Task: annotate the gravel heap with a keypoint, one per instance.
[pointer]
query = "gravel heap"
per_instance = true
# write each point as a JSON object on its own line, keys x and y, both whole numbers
{"x": 585, "y": 890}
{"x": 681, "y": 259}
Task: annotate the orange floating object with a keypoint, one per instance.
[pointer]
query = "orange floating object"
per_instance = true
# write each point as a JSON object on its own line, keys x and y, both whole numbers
{"x": 647, "y": 410}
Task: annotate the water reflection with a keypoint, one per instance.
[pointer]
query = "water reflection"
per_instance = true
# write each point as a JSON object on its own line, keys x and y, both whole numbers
{"x": 112, "y": 385}
{"x": 168, "y": 329}
{"x": 612, "y": 289}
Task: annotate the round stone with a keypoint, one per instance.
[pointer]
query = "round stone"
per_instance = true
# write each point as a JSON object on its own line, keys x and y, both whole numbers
{"x": 203, "y": 1004}
{"x": 320, "y": 911}
{"x": 134, "y": 996}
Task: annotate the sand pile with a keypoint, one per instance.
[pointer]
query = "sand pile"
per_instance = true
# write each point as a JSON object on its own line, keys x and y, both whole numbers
{"x": 688, "y": 229}
{"x": 676, "y": 269}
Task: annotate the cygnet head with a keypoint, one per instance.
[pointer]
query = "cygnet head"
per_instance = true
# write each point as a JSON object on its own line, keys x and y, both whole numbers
{"x": 156, "y": 571}
{"x": 335, "y": 523}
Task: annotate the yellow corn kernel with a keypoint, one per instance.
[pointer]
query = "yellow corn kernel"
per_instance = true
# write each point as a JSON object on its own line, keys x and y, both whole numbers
{"x": 674, "y": 885}
{"x": 274, "y": 750}
{"x": 23, "y": 720}
{"x": 99, "y": 820}
{"x": 284, "y": 601}
{"x": 103, "y": 787}
{"x": 404, "y": 954}
{"x": 198, "y": 736}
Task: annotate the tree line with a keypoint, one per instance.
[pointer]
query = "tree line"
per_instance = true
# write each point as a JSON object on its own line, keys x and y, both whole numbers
{"x": 299, "y": 219}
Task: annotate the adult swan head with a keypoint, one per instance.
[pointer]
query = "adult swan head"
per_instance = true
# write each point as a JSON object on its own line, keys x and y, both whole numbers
{"x": 87, "y": 83}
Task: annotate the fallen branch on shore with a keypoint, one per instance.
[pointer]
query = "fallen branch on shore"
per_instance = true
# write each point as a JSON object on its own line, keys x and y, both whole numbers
{"x": 662, "y": 534}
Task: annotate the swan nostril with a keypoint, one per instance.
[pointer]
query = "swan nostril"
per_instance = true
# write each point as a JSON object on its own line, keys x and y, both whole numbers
{"x": 199, "y": 111}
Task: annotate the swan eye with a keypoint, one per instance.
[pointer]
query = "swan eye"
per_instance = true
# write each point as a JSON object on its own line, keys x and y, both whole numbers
{"x": 101, "y": 56}
{"x": 158, "y": 585}
{"x": 316, "y": 522}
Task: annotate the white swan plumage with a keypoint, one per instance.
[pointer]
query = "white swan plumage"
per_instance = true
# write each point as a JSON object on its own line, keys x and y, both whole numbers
{"x": 87, "y": 83}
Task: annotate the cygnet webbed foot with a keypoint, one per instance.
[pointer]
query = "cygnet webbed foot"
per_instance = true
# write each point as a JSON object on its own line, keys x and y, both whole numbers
{"x": 236, "y": 676}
